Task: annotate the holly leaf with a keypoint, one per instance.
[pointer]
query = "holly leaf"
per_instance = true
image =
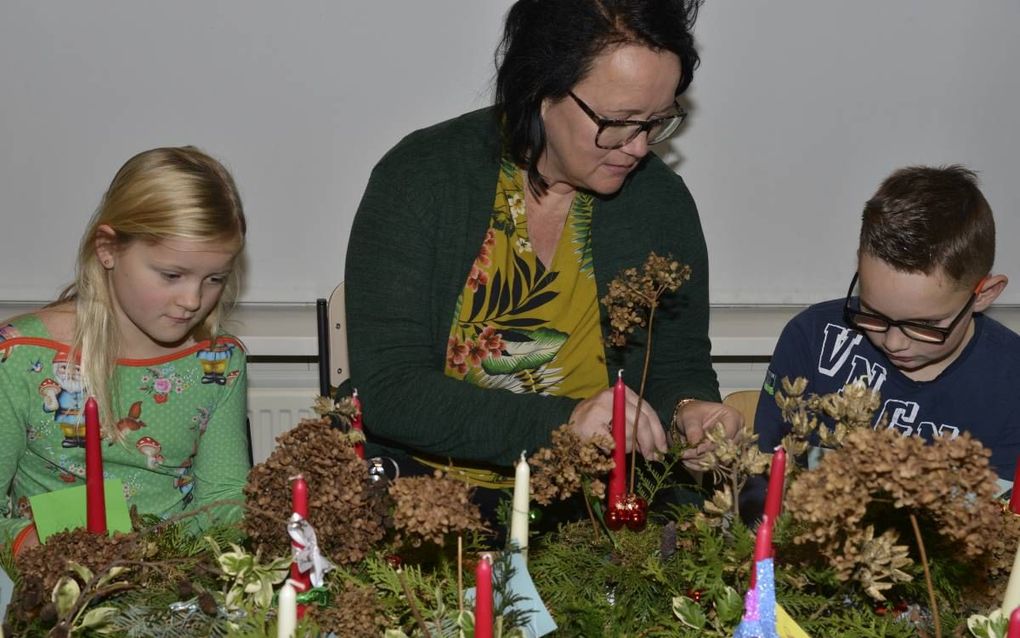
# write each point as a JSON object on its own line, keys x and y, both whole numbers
{"x": 98, "y": 618}
{"x": 729, "y": 606}
{"x": 65, "y": 594}
{"x": 689, "y": 612}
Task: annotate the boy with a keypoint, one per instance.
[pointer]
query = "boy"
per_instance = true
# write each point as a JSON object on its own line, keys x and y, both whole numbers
{"x": 915, "y": 333}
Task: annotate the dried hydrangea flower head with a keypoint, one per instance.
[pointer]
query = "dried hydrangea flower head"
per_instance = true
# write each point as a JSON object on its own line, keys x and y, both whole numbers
{"x": 560, "y": 471}
{"x": 430, "y": 508}
{"x": 633, "y": 293}
{"x": 340, "y": 413}
{"x": 947, "y": 482}
{"x": 342, "y": 507}
{"x": 851, "y": 408}
{"x": 732, "y": 460}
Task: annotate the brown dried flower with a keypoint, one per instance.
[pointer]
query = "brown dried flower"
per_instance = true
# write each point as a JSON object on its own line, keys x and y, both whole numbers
{"x": 428, "y": 508}
{"x": 341, "y": 507}
{"x": 42, "y": 566}
{"x": 633, "y": 294}
{"x": 560, "y": 471}
{"x": 354, "y": 612}
{"x": 849, "y": 409}
{"x": 947, "y": 482}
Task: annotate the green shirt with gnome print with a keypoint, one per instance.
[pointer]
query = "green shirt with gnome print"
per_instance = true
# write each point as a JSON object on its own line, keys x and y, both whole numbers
{"x": 181, "y": 428}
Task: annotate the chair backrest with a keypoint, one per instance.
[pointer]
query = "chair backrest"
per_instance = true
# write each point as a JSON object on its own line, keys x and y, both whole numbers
{"x": 745, "y": 402}
{"x": 339, "y": 365}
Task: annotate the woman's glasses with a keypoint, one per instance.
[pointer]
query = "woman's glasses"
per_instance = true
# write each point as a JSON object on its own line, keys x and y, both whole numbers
{"x": 876, "y": 322}
{"x": 616, "y": 133}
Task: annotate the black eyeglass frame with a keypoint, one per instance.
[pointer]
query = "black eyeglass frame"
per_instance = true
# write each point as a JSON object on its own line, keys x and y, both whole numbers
{"x": 938, "y": 334}
{"x": 643, "y": 125}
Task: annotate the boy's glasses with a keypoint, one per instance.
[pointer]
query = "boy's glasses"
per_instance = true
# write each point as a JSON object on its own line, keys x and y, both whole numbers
{"x": 875, "y": 322}
{"x": 616, "y": 133}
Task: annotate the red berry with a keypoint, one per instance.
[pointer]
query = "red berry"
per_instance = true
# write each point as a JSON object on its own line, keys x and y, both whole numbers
{"x": 394, "y": 561}
{"x": 694, "y": 594}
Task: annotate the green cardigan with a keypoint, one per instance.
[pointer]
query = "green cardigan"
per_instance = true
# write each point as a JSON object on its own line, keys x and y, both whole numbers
{"x": 418, "y": 228}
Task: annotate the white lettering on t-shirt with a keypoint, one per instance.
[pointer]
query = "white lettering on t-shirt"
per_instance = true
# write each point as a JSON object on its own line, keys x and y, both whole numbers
{"x": 836, "y": 348}
{"x": 873, "y": 374}
{"x": 903, "y": 416}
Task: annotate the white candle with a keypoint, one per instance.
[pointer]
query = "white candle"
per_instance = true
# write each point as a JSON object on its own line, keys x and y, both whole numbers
{"x": 521, "y": 505}
{"x": 286, "y": 611}
{"x": 1012, "y": 598}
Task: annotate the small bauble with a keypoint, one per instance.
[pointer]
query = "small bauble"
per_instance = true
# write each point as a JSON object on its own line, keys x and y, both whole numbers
{"x": 637, "y": 520}
{"x": 615, "y": 518}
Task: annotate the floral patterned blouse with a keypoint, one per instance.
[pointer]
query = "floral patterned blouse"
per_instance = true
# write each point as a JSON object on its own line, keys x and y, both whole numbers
{"x": 520, "y": 326}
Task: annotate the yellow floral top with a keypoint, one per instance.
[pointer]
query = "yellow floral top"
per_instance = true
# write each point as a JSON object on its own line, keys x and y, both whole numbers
{"x": 519, "y": 326}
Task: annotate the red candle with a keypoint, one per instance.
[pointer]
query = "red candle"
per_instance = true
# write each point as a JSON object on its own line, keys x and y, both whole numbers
{"x": 302, "y": 581}
{"x": 359, "y": 448}
{"x": 95, "y": 498}
{"x": 1014, "y": 497}
{"x": 762, "y": 546}
{"x": 1014, "y": 624}
{"x": 618, "y": 475}
{"x": 774, "y": 495}
{"x": 483, "y": 597}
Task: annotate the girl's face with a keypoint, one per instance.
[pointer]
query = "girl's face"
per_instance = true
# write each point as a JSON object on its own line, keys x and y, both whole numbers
{"x": 161, "y": 292}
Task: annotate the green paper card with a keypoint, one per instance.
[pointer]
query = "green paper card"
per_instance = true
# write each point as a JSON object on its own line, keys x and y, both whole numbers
{"x": 65, "y": 509}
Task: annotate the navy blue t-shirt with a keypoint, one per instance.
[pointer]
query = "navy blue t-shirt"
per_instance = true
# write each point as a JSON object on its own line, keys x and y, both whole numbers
{"x": 978, "y": 393}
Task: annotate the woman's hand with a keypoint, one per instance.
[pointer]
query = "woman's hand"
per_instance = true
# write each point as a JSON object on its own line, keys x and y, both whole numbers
{"x": 698, "y": 416}
{"x": 594, "y": 416}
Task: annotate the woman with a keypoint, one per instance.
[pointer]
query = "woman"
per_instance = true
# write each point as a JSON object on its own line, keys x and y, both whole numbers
{"x": 482, "y": 245}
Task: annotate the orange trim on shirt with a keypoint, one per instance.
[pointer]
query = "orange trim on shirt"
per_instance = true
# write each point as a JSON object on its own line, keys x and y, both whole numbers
{"x": 63, "y": 347}
{"x": 19, "y": 540}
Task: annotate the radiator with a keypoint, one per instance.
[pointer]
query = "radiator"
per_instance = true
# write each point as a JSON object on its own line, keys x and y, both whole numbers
{"x": 273, "y": 411}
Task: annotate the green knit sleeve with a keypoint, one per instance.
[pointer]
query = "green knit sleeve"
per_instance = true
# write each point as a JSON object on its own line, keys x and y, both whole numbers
{"x": 221, "y": 464}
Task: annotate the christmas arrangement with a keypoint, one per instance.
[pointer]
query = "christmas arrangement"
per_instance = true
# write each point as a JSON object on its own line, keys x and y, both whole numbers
{"x": 886, "y": 536}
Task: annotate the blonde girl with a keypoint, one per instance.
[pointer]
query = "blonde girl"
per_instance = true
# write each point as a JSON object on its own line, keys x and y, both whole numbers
{"x": 140, "y": 330}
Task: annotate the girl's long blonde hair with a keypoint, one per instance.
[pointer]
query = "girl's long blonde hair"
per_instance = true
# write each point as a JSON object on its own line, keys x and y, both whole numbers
{"x": 159, "y": 194}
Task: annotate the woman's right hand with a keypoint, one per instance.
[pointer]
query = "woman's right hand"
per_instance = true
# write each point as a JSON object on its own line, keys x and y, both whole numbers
{"x": 594, "y": 416}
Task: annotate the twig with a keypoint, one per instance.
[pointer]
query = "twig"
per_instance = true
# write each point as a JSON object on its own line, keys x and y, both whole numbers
{"x": 591, "y": 514}
{"x": 652, "y": 305}
{"x": 927, "y": 577}
{"x": 412, "y": 604}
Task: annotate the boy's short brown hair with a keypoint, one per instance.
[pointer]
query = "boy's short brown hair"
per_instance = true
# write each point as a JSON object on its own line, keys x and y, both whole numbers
{"x": 926, "y": 218}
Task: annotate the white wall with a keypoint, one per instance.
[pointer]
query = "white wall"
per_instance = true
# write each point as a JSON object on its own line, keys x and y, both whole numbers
{"x": 799, "y": 109}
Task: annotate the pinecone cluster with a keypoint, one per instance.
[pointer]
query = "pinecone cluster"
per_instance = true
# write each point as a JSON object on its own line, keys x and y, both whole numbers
{"x": 633, "y": 293}
{"x": 341, "y": 507}
{"x": 355, "y": 612}
{"x": 42, "y": 566}
{"x": 559, "y": 472}
{"x": 947, "y": 483}
{"x": 428, "y": 508}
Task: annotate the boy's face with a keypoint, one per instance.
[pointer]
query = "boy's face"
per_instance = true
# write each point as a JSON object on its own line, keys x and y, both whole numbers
{"x": 935, "y": 299}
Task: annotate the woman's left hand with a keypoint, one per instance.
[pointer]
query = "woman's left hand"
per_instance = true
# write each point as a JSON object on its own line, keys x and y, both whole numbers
{"x": 695, "y": 418}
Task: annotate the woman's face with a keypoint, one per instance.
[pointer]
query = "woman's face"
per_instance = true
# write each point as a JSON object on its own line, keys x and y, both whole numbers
{"x": 626, "y": 82}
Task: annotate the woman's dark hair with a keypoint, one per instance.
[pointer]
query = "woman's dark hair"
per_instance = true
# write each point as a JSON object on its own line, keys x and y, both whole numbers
{"x": 549, "y": 46}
